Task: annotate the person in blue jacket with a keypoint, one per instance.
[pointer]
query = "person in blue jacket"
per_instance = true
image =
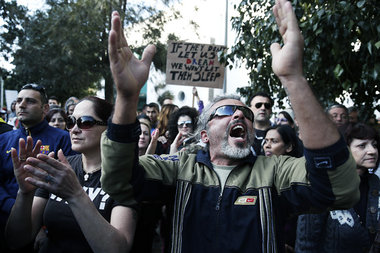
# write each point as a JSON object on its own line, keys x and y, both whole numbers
{"x": 31, "y": 109}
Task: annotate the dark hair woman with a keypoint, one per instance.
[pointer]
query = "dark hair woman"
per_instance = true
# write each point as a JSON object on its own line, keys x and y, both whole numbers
{"x": 181, "y": 127}
{"x": 79, "y": 216}
{"x": 57, "y": 118}
{"x": 281, "y": 140}
{"x": 284, "y": 118}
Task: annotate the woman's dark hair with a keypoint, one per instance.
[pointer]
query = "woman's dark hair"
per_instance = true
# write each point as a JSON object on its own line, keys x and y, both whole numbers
{"x": 173, "y": 120}
{"x": 50, "y": 114}
{"x": 289, "y": 137}
{"x": 362, "y": 131}
{"x": 288, "y": 117}
{"x": 102, "y": 108}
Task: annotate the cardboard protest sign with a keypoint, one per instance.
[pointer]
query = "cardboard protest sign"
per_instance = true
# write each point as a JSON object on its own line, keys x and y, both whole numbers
{"x": 194, "y": 64}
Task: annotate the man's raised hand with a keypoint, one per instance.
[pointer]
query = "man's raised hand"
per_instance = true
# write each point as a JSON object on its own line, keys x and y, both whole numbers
{"x": 287, "y": 60}
{"x": 129, "y": 73}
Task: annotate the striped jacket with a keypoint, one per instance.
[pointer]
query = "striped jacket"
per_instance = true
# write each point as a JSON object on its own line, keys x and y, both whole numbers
{"x": 259, "y": 193}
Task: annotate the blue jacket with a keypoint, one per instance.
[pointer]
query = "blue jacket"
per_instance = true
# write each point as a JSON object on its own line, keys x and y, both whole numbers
{"x": 259, "y": 193}
{"x": 52, "y": 139}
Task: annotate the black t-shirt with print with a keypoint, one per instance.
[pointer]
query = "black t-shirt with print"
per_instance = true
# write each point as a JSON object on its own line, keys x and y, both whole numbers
{"x": 63, "y": 231}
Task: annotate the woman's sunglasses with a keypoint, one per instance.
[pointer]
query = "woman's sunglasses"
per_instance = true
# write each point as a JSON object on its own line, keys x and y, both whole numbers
{"x": 228, "y": 110}
{"x": 187, "y": 123}
{"x": 84, "y": 122}
{"x": 279, "y": 120}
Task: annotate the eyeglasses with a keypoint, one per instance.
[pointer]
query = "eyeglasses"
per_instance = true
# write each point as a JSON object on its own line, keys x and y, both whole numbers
{"x": 187, "y": 123}
{"x": 36, "y": 87}
{"x": 266, "y": 105}
{"x": 278, "y": 120}
{"x": 84, "y": 122}
{"x": 228, "y": 110}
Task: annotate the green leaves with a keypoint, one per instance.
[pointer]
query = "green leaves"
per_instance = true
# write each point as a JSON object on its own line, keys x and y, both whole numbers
{"x": 360, "y": 4}
{"x": 338, "y": 71}
{"x": 65, "y": 47}
{"x": 342, "y": 41}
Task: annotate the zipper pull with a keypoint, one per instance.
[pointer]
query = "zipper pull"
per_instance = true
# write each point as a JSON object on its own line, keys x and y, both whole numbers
{"x": 218, "y": 203}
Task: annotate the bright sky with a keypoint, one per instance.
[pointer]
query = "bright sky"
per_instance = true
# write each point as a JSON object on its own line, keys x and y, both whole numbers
{"x": 32, "y": 4}
{"x": 210, "y": 18}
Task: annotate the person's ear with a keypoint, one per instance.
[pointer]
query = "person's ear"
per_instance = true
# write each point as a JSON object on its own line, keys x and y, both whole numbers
{"x": 45, "y": 109}
{"x": 204, "y": 136}
{"x": 289, "y": 148}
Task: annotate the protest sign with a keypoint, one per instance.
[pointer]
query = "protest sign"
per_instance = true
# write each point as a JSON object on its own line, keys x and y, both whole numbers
{"x": 194, "y": 64}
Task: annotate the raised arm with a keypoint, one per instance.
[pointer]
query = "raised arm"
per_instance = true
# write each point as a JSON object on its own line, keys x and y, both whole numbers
{"x": 129, "y": 73}
{"x": 315, "y": 127}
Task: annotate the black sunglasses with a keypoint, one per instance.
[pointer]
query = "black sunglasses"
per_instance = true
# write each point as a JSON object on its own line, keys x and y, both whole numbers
{"x": 266, "y": 105}
{"x": 36, "y": 87}
{"x": 228, "y": 110}
{"x": 84, "y": 122}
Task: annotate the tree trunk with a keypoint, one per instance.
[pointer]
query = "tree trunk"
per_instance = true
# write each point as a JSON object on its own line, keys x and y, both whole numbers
{"x": 108, "y": 88}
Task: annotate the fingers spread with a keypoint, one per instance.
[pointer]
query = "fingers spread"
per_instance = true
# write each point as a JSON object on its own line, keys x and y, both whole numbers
{"x": 29, "y": 144}
{"x": 37, "y": 148}
{"x": 38, "y": 182}
{"x": 21, "y": 148}
{"x": 62, "y": 157}
{"x": 15, "y": 160}
{"x": 148, "y": 54}
{"x": 46, "y": 163}
{"x": 35, "y": 171}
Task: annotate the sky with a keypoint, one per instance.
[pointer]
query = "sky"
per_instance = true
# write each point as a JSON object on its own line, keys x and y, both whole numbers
{"x": 32, "y": 4}
{"x": 210, "y": 19}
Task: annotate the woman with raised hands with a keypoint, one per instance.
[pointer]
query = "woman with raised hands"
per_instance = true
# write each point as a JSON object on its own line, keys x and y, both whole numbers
{"x": 78, "y": 216}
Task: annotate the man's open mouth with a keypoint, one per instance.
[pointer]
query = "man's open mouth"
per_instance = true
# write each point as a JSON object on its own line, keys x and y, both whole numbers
{"x": 237, "y": 131}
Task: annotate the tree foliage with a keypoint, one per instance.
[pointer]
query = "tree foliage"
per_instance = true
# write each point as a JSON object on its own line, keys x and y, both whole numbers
{"x": 64, "y": 47}
{"x": 342, "y": 40}
{"x": 12, "y": 16}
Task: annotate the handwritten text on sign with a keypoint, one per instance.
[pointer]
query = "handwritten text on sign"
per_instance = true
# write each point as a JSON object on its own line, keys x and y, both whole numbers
{"x": 194, "y": 64}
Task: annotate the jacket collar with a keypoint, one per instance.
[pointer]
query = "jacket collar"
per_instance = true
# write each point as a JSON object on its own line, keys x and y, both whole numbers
{"x": 204, "y": 157}
{"x": 35, "y": 129}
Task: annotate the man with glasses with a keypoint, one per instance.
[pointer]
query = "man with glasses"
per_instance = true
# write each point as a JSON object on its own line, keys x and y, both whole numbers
{"x": 261, "y": 105}
{"x": 226, "y": 199}
{"x": 31, "y": 108}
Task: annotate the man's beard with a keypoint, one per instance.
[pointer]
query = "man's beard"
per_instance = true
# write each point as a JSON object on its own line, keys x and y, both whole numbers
{"x": 241, "y": 150}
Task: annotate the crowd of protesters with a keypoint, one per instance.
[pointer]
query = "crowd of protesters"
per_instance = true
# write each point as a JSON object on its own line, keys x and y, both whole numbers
{"x": 88, "y": 176}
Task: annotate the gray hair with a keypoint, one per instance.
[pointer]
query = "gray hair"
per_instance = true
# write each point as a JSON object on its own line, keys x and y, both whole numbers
{"x": 203, "y": 118}
{"x": 336, "y": 105}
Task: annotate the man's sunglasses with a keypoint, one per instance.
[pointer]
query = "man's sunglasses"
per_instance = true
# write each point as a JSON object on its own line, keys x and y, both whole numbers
{"x": 266, "y": 105}
{"x": 84, "y": 122}
{"x": 229, "y": 110}
{"x": 187, "y": 123}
